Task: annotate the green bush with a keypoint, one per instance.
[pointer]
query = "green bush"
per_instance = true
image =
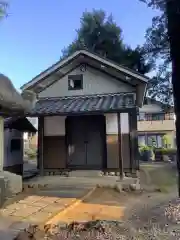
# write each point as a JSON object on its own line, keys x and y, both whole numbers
{"x": 144, "y": 148}
{"x": 165, "y": 151}
{"x": 167, "y": 141}
{"x": 31, "y": 153}
{"x": 143, "y": 153}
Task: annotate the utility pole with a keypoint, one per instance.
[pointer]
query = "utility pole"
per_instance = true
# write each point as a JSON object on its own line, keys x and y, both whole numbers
{"x": 173, "y": 16}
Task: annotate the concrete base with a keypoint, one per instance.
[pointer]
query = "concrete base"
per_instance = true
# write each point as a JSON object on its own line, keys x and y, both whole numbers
{"x": 12, "y": 183}
{"x": 48, "y": 182}
{"x": 85, "y": 173}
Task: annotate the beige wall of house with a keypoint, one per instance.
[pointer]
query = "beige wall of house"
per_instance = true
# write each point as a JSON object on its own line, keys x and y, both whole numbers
{"x": 166, "y": 126}
{"x": 94, "y": 82}
{"x": 159, "y": 125}
{"x": 155, "y": 125}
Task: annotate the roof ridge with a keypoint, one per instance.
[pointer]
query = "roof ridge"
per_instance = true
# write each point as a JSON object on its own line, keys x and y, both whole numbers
{"x": 85, "y": 96}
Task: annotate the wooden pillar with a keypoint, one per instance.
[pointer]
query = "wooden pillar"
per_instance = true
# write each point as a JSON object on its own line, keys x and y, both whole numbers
{"x": 121, "y": 172}
{"x": 40, "y": 145}
{"x": 134, "y": 139}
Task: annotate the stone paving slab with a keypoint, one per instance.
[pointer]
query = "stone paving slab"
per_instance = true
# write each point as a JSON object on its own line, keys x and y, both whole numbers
{"x": 26, "y": 211}
{"x": 31, "y": 199}
{"x": 36, "y": 208}
{"x": 39, "y": 217}
{"x": 101, "y": 204}
{"x": 35, "y": 205}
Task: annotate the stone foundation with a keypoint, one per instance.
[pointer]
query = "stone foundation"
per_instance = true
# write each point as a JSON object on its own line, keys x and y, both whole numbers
{"x": 48, "y": 182}
{"x": 87, "y": 173}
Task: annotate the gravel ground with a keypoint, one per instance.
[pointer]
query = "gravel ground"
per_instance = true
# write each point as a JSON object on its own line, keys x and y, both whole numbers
{"x": 161, "y": 222}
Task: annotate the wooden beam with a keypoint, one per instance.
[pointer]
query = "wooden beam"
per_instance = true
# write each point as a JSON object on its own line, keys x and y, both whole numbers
{"x": 130, "y": 142}
{"x": 40, "y": 144}
{"x": 121, "y": 172}
{"x": 134, "y": 139}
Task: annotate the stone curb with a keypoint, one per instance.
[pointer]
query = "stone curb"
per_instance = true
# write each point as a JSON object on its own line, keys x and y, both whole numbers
{"x": 55, "y": 219}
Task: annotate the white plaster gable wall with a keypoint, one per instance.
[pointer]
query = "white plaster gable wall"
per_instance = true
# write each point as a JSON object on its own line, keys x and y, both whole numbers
{"x": 54, "y": 126}
{"x": 94, "y": 82}
{"x": 112, "y": 123}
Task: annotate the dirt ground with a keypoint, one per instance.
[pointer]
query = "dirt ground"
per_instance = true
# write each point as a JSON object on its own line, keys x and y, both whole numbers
{"x": 153, "y": 213}
{"x": 140, "y": 215}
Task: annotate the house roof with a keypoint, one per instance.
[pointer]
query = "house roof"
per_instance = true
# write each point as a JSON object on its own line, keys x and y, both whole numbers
{"x": 83, "y": 104}
{"x": 19, "y": 123}
{"x": 94, "y": 57}
{"x": 165, "y": 106}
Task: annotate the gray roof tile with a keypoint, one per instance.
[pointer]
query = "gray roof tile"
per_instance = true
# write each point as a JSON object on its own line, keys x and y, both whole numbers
{"x": 83, "y": 104}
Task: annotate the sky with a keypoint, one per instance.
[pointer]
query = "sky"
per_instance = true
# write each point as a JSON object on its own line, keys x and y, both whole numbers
{"x": 35, "y": 32}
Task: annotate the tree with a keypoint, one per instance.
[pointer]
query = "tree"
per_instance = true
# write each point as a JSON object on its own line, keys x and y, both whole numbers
{"x": 3, "y": 8}
{"x": 100, "y": 34}
{"x": 171, "y": 13}
{"x": 157, "y": 48}
{"x": 173, "y": 17}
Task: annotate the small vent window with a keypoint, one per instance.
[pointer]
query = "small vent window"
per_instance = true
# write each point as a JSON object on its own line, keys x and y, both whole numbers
{"x": 75, "y": 82}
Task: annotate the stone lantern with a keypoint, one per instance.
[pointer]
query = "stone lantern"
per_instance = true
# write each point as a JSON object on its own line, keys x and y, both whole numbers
{"x": 12, "y": 103}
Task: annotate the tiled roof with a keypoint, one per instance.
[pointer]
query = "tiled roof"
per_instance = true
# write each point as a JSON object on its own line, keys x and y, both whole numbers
{"x": 83, "y": 104}
{"x": 19, "y": 123}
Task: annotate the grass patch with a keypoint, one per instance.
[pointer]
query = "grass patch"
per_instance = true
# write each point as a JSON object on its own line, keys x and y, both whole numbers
{"x": 161, "y": 177}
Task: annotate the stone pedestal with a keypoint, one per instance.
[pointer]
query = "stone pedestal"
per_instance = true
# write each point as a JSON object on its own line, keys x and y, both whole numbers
{"x": 12, "y": 183}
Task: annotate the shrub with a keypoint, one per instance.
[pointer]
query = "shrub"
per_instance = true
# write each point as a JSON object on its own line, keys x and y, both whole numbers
{"x": 160, "y": 154}
{"x": 146, "y": 153}
{"x": 167, "y": 141}
{"x": 144, "y": 148}
{"x": 165, "y": 151}
{"x": 31, "y": 153}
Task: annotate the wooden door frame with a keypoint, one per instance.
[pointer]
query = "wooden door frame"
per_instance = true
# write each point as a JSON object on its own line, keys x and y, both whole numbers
{"x": 103, "y": 144}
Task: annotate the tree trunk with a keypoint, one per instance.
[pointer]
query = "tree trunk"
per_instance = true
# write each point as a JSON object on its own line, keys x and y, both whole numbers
{"x": 173, "y": 15}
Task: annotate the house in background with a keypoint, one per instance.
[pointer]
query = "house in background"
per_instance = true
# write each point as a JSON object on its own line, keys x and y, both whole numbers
{"x": 31, "y": 138}
{"x": 155, "y": 124}
{"x": 87, "y": 111}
